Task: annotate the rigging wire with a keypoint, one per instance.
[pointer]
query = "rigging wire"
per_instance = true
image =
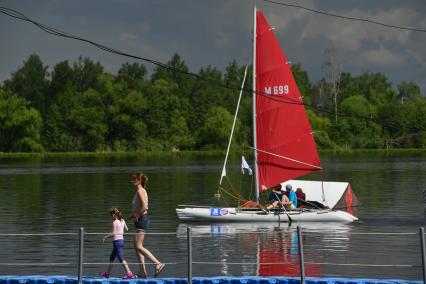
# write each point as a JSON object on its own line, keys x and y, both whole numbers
{"x": 235, "y": 193}
{"x": 346, "y": 17}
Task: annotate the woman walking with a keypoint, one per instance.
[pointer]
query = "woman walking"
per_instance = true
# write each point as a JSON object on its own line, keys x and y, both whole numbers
{"x": 141, "y": 220}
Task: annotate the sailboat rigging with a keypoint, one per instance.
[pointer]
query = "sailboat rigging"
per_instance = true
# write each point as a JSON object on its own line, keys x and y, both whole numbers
{"x": 232, "y": 129}
{"x": 283, "y": 143}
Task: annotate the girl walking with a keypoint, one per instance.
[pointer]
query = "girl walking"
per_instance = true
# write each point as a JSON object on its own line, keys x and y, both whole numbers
{"x": 118, "y": 227}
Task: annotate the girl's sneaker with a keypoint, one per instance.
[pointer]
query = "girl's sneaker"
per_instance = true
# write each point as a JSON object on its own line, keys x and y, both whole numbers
{"x": 128, "y": 275}
{"x": 104, "y": 274}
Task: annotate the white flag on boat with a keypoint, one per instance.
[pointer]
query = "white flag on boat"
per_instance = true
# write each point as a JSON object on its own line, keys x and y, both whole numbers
{"x": 245, "y": 165}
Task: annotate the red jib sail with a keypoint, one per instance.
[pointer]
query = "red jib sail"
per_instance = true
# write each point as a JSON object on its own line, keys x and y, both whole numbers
{"x": 285, "y": 144}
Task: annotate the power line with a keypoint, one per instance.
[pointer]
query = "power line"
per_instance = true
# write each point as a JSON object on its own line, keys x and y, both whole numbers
{"x": 53, "y": 31}
{"x": 347, "y": 17}
{"x": 287, "y": 100}
{"x": 18, "y": 15}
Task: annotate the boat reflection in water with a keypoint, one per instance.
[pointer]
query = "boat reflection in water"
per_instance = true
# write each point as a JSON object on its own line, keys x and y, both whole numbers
{"x": 264, "y": 249}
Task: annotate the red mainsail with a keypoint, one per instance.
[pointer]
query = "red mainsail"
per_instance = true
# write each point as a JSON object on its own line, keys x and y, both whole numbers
{"x": 285, "y": 144}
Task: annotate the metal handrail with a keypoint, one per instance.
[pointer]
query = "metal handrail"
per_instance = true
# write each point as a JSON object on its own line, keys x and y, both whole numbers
{"x": 190, "y": 261}
{"x": 36, "y": 264}
{"x": 132, "y": 234}
{"x": 37, "y": 234}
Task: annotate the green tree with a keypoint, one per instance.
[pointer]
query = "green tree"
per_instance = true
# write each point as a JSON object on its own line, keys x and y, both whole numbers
{"x": 83, "y": 108}
{"x": 350, "y": 86}
{"x": 87, "y": 123}
{"x": 320, "y": 127}
{"x": 20, "y": 125}
{"x": 214, "y": 134}
{"x": 164, "y": 115}
{"x": 409, "y": 124}
{"x": 408, "y": 91}
{"x": 77, "y": 122}
{"x": 55, "y": 137}
{"x": 60, "y": 93}
{"x": 62, "y": 80}
{"x": 179, "y": 134}
{"x": 30, "y": 82}
{"x": 75, "y": 119}
{"x": 174, "y": 71}
{"x": 358, "y": 128}
{"x": 233, "y": 79}
{"x": 207, "y": 93}
{"x": 133, "y": 75}
{"x": 177, "y": 72}
{"x": 393, "y": 123}
{"x": 125, "y": 112}
{"x": 418, "y": 128}
{"x": 86, "y": 73}
{"x": 376, "y": 88}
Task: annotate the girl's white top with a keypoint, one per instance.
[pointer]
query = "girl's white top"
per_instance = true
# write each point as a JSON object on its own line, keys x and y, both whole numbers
{"x": 118, "y": 229}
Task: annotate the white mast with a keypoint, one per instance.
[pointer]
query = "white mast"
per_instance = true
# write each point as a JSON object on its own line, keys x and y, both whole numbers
{"x": 254, "y": 108}
{"x": 233, "y": 127}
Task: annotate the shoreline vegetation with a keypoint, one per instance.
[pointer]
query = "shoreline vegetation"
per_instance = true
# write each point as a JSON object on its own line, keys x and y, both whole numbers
{"x": 210, "y": 153}
{"x": 78, "y": 107}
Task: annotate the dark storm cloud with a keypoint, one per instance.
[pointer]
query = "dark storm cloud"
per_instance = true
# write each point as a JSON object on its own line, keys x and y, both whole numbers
{"x": 217, "y": 31}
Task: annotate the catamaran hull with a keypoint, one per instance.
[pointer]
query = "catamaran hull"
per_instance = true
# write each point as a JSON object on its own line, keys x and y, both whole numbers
{"x": 243, "y": 215}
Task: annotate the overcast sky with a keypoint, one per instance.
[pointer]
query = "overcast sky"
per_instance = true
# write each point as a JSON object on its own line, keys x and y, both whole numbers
{"x": 215, "y": 32}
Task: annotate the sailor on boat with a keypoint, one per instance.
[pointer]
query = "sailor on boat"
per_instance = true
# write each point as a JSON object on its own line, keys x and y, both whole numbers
{"x": 301, "y": 197}
{"x": 291, "y": 196}
{"x": 280, "y": 197}
{"x": 275, "y": 197}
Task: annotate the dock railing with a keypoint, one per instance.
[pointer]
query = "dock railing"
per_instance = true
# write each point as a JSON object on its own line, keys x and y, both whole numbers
{"x": 423, "y": 251}
{"x": 80, "y": 264}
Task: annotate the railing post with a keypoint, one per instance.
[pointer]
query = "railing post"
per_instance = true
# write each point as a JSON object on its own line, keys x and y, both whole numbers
{"x": 422, "y": 244}
{"x": 301, "y": 256}
{"x": 80, "y": 255}
{"x": 424, "y": 201}
{"x": 189, "y": 239}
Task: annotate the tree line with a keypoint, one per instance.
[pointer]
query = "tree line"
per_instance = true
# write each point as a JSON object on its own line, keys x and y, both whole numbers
{"x": 78, "y": 106}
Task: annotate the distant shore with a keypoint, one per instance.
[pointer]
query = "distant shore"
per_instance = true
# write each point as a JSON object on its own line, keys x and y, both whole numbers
{"x": 212, "y": 153}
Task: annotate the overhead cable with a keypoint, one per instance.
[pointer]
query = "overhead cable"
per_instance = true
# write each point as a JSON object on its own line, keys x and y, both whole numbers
{"x": 18, "y": 15}
{"x": 346, "y": 17}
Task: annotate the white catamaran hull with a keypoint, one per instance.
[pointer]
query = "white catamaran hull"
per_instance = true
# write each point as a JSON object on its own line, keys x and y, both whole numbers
{"x": 254, "y": 215}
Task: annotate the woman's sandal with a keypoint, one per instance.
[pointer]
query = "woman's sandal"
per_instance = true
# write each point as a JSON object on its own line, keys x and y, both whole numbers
{"x": 158, "y": 271}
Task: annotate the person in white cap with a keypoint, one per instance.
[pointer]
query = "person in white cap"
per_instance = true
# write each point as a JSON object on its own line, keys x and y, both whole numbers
{"x": 291, "y": 196}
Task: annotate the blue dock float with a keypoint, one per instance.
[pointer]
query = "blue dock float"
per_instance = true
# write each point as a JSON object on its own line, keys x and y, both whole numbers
{"x": 39, "y": 279}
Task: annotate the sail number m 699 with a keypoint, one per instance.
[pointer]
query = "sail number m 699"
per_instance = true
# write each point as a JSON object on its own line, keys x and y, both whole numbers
{"x": 277, "y": 90}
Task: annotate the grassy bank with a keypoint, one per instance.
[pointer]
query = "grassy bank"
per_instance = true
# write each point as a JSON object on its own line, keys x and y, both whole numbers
{"x": 378, "y": 152}
{"x": 110, "y": 154}
{"x": 215, "y": 153}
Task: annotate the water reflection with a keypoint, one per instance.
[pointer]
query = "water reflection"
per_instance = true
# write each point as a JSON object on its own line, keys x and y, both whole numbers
{"x": 265, "y": 249}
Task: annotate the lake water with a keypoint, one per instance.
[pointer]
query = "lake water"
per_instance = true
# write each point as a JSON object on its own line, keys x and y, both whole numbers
{"x": 47, "y": 196}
